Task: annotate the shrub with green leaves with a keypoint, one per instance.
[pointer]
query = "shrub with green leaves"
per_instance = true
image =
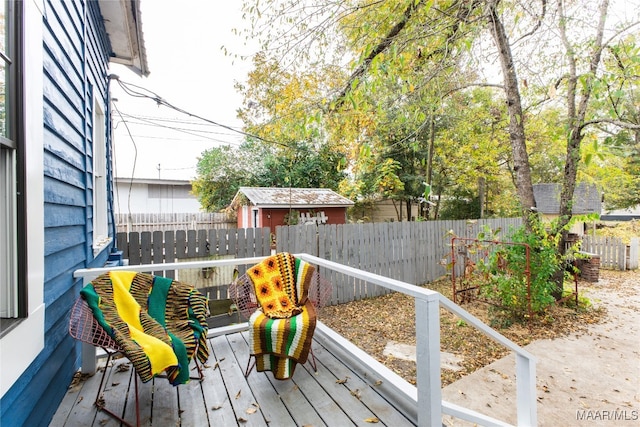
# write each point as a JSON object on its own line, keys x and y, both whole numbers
{"x": 506, "y": 270}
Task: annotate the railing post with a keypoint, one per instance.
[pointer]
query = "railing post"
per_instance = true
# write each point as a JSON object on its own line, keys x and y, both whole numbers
{"x": 526, "y": 391}
{"x": 88, "y": 361}
{"x": 428, "y": 360}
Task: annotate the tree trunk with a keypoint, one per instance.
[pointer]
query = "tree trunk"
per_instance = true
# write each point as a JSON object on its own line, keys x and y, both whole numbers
{"x": 481, "y": 194}
{"x": 521, "y": 168}
{"x": 576, "y": 113}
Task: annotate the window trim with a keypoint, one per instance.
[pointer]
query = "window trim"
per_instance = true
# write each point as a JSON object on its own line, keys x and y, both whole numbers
{"x": 101, "y": 238}
{"x": 14, "y": 93}
{"x": 31, "y": 177}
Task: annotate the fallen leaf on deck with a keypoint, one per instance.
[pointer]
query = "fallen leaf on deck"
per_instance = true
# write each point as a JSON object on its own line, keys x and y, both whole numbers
{"x": 238, "y": 395}
{"x": 372, "y": 420}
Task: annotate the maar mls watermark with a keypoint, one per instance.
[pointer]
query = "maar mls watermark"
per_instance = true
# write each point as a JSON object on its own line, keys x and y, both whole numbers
{"x": 607, "y": 415}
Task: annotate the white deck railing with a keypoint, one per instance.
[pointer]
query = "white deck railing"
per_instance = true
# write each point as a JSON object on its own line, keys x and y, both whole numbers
{"x": 425, "y": 400}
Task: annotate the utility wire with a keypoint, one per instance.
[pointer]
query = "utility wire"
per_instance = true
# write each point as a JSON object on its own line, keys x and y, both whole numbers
{"x": 135, "y": 91}
{"x": 193, "y": 132}
{"x": 135, "y": 158}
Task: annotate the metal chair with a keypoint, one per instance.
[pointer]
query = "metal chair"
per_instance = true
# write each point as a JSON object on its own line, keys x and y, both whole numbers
{"x": 243, "y": 292}
{"x": 84, "y": 327}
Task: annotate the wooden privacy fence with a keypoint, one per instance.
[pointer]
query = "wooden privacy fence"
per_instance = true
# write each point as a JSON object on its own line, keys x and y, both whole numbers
{"x": 139, "y": 222}
{"x": 196, "y": 245}
{"x": 413, "y": 252}
{"x": 613, "y": 252}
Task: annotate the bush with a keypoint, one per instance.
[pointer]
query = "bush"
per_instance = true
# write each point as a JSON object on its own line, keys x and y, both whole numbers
{"x": 506, "y": 270}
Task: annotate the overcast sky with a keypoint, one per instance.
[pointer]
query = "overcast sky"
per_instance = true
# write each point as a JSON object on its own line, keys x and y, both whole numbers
{"x": 188, "y": 70}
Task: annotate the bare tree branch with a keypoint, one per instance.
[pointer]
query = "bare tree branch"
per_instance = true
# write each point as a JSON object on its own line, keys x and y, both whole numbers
{"x": 619, "y": 123}
{"x": 538, "y": 22}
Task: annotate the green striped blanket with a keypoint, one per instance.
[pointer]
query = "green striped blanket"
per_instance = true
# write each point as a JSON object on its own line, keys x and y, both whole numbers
{"x": 159, "y": 323}
{"x": 282, "y": 328}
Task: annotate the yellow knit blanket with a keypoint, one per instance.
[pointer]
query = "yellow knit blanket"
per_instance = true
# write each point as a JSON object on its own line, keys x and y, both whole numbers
{"x": 159, "y": 323}
{"x": 282, "y": 328}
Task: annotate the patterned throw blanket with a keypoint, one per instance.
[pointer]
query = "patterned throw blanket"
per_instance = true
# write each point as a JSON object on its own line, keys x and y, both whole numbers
{"x": 282, "y": 328}
{"x": 158, "y": 322}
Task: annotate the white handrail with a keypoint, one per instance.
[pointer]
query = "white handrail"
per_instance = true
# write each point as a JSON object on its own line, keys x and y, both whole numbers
{"x": 427, "y": 396}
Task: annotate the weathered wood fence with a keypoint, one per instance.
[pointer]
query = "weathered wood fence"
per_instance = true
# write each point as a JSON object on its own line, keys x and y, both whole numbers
{"x": 139, "y": 222}
{"x": 613, "y": 252}
{"x": 192, "y": 245}
{"x": 414, "y": 252}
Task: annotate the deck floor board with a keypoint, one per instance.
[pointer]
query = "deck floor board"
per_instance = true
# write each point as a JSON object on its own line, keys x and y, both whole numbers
{"x": 225, "y": 397}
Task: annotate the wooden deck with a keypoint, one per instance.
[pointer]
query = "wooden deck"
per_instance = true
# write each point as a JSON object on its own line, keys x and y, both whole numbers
{"x": 335, "y": 395}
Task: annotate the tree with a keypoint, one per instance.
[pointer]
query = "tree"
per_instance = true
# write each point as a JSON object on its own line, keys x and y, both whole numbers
{"x": 411, "y": 47}
{"x": 221, "y": 171}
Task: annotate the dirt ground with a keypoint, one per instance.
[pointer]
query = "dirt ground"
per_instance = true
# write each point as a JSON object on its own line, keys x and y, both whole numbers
{"x": 392, "y": 317}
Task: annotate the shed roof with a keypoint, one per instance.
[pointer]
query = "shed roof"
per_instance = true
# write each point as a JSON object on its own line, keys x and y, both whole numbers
{"x": 586, "y": 198}
{"x": 273, "y": 197}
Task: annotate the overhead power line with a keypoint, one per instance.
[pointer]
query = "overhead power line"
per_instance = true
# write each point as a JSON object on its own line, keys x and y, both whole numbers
{"x": 140, "y": 92}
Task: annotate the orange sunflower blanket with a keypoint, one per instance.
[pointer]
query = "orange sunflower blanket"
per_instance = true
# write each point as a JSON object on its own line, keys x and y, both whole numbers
{"x": 282, "y": 328}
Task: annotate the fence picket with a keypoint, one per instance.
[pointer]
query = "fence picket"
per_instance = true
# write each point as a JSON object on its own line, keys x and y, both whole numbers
{"x": 181, "y": 244}
{"x": 126, "y": 223}
{"x": 158, "y": 250}
{"x": 145, "y": 247}
{"x": 170, "y": 251}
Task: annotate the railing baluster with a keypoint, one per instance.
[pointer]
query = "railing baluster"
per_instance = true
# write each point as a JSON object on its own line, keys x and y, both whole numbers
{"x": 428, "y": 361}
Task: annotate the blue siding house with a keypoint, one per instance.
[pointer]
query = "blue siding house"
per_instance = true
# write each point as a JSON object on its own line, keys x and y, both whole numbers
{"x": 56, "y": 213}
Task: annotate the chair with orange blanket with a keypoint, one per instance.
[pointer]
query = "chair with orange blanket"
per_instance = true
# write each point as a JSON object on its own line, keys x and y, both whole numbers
{"x": 279, "y": 296}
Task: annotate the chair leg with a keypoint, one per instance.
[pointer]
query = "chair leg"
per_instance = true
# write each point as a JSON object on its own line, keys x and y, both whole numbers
{"x": 313, "y": 360}
{"x": 101, "y": 404}
{"x": 249, "y": 368}
{"x": 200, "y": 376}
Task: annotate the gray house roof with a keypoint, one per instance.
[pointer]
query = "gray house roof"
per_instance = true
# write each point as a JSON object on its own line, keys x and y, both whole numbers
{"x": 272, "y": 197}
{"x": 586, "y": 198}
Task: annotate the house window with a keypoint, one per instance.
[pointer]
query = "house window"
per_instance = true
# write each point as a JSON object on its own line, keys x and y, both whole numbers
{"x": 12, "y": 191}
{"x": 100, "y": 223}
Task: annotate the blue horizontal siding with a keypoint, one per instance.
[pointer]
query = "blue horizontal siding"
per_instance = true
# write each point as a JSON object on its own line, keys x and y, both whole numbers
{"x": 60, "y": 239}
{"x": 71, "y": 116}
{"x": 64, "y": 215}
{"x": 23, "y": 400}
{"x": 55, "y": 167}
{"x": 57, "y": 129}
{"x": 63, "y": 193}
{"x": 74, "y": 68}
{"x": 59, "y": 261}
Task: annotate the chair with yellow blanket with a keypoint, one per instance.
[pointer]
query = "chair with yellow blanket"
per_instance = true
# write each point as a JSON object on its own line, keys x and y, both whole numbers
{"x": 158, "y": 323}
{"x": 279, "y": 296}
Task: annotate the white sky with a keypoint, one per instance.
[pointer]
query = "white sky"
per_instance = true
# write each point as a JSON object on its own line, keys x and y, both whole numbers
{"x": 189, "y": 70}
